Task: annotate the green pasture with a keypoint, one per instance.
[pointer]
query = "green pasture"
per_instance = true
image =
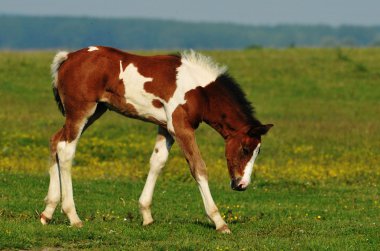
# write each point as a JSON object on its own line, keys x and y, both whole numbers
{"x": 316, "y": 181}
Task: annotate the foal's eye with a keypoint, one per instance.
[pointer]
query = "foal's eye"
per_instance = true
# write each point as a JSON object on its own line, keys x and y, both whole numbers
{"x": 245, "y": 150}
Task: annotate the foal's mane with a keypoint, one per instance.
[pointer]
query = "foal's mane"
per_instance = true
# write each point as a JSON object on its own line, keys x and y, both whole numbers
{"x": 234, "y": 90}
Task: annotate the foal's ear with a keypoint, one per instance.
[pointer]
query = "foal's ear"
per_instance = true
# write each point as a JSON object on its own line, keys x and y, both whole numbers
{"x": 259, "y": 130}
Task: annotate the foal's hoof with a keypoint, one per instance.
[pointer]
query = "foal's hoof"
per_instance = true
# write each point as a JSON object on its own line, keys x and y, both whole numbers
{"x": 78, "y": 224}
{"x": 44, "y": 220}
{"x": 224, "y": 230}
{"x": 147, "y": 223}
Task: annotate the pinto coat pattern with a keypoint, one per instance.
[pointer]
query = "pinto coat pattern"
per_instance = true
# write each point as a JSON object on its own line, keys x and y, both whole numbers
{"x": 176, "y": 92}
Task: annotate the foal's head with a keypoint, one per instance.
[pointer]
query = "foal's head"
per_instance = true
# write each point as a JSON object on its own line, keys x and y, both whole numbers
{"x": 242, "y": 149}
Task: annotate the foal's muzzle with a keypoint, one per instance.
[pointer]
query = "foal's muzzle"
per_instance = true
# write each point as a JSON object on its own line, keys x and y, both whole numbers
{"x": 235, "y": 185}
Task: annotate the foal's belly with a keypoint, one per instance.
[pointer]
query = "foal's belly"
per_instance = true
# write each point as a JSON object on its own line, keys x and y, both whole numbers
{"x": 146, "y": 109}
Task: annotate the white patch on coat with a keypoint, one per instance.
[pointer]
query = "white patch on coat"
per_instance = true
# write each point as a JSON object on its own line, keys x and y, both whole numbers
{"x": 195, "y": 70}
{"x": 93, "y": 48}
{"x": 59, "y": 58}
{"x": 249, "y": 168}
{"x": 136, "y": 95}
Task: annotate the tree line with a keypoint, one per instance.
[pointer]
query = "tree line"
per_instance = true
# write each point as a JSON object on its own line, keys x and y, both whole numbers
{"x": 27, "y": 32}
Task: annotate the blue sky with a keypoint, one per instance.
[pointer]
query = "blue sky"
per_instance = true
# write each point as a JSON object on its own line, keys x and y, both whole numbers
{"x": 331, "y": 12}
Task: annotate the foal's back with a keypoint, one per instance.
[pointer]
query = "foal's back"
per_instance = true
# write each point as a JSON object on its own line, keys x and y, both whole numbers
{"x": 143, "y": 87}
{"x": 130, "y": 84}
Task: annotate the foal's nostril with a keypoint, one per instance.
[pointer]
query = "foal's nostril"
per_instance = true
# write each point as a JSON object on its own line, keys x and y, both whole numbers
{"x": 241, "y": 188}
{"x": 235, "y": 184}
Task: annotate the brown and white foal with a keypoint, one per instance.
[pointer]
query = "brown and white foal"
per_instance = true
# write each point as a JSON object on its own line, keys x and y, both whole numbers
{"x": 174, "y": 92}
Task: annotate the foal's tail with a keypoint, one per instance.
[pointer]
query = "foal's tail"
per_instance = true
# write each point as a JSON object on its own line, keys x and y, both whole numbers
{"x": 59, "y": 58}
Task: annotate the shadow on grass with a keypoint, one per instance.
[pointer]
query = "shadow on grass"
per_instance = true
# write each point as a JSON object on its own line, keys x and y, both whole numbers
{"x": 203, "y": 224}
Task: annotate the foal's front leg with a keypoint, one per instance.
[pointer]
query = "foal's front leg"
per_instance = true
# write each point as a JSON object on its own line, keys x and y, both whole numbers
{"x": 185, "y": 136}
{"x": 160, "y": 154}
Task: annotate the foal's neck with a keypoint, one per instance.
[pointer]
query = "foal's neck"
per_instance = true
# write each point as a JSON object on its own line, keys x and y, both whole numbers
{"x": 228, "y": 111}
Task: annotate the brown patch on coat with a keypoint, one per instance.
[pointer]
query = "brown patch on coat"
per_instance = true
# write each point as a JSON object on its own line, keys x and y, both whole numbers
{"x": 157, "y": 103}
{"x": 162, "y": 69}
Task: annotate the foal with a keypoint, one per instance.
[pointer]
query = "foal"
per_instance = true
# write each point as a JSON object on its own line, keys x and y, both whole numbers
{"x": 175, "y": 92}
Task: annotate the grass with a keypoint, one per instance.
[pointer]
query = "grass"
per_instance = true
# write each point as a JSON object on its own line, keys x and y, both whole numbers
{"x": 268, "y": 216}
{"x": 316, "y": 180}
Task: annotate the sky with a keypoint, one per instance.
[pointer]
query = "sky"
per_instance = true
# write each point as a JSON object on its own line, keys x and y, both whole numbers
{"x": 253, "y": 12}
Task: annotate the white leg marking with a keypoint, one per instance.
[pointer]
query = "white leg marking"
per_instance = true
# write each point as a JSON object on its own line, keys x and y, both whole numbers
{"x": 249, "y": 168}
{"x": 53, "y": 196}
{"x": 210, "y": 207}
{"x": 157, "y": 161}
{"x": 66, "y": 152}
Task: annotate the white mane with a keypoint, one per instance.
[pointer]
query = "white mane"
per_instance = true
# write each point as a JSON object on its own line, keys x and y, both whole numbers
{"x": 202, "y": 63}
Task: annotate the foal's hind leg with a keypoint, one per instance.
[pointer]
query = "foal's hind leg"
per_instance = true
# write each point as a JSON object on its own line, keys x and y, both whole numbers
{"x": 53, "y": 196}
{"x": 64, "y": 144}
{"x": 160, "y": 154}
